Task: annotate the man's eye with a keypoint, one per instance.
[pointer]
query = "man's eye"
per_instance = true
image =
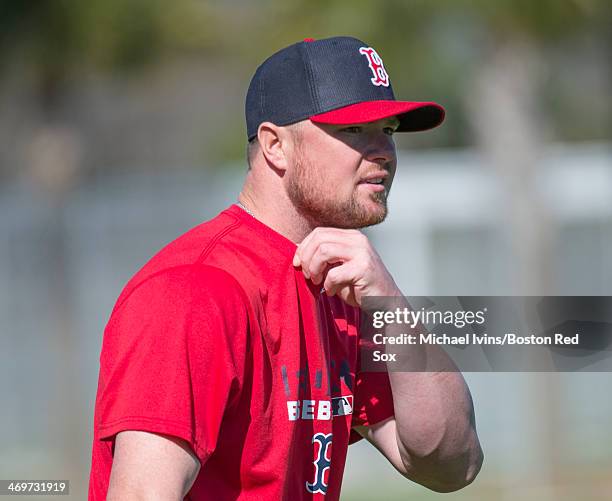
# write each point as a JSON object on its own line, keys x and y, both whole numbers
{"x": 352, "y": 130}
{"x": 389, "y": 130}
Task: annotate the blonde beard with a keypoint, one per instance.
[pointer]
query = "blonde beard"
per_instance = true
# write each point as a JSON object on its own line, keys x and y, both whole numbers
{"x": 305, "y": 192}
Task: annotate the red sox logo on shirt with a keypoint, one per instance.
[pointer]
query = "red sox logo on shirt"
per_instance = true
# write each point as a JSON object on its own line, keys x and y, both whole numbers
{"x": 376, "y": 65}
{"x": 322, "y": 463}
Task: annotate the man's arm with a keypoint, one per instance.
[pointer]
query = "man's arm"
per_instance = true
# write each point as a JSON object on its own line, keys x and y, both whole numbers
{"x": 433, "y": 434}
{"x": 148, "y": 466}
{"x": 432, "y": 438}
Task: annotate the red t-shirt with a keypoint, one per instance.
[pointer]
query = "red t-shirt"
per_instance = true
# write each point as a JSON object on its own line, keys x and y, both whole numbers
{"x": 220, "y": 341}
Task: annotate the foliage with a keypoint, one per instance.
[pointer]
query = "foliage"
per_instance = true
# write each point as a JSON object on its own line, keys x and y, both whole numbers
{"x": 431, "y": 48}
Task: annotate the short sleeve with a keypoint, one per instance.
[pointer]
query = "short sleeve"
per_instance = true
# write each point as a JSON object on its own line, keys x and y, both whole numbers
{"x": 373, "y": 401}
{"x": 173, "y": 357}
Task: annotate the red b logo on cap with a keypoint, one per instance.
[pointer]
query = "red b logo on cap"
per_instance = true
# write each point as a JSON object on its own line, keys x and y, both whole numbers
{"x": 376, "y": 65}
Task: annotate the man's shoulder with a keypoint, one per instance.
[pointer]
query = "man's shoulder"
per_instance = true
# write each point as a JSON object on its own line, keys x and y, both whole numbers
{"x": 179, "y": 290}
{"x": 192, "y": 246}
{"x": 185, "y": 260}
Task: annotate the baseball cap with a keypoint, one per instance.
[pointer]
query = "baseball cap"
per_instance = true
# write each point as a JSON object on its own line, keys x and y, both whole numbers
{"x": 339, "y": 80}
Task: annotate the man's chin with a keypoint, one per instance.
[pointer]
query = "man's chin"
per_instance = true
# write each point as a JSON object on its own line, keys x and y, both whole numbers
{"x": 375, "y": 209}
{"x": 353, "y": 214}
{"x": 370, "y": 213}
{"x": 373, "y": 219}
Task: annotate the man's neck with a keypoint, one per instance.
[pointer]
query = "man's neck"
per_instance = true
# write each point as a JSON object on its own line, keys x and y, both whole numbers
{"x": 276, "y": 213}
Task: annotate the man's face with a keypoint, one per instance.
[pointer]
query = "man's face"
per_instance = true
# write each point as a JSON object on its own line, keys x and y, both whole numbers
{"x": 341, "y": 174}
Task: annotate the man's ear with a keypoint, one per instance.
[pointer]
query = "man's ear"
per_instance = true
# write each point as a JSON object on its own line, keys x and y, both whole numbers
{"x": 273, "y": 142}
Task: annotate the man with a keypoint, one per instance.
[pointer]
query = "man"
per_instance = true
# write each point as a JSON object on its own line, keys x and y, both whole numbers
{"x": 230, "y": 364}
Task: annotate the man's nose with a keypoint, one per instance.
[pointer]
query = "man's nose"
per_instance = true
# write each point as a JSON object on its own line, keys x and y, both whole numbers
{"x": 381, "y": 148}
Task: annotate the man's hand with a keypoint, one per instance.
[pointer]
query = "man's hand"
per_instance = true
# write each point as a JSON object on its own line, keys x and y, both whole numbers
{"x": 346, "y": 263}
{"x": 432, "y": 438}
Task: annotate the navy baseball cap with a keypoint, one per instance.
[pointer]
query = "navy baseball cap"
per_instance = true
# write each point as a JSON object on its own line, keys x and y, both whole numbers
{"x": 339, "y": 80}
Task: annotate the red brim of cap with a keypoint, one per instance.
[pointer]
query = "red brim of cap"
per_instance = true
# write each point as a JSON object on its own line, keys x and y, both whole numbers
{"x": 413, "y": 116}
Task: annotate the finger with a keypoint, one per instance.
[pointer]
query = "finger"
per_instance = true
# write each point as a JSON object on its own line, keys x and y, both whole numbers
{"x": 326, "y": 254}
{"x": 314, "y": 239}
{"x": 347, "y": 294}
{"x": 345, "y": 290}
{"x": 339, "y": 277}
{"x": 298, "y": 258}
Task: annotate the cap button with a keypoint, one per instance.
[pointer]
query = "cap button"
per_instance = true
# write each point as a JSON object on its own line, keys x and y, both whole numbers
{"x": 309, "y": 39}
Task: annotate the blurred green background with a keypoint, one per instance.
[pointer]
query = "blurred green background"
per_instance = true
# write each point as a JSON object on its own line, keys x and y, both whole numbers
{"x": 164, "y": 82}
{"x": 122, "y": 125}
